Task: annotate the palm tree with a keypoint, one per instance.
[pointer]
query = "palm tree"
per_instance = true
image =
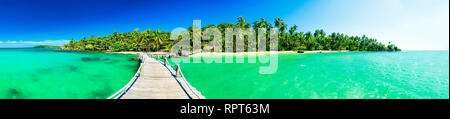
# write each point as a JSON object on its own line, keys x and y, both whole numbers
{"x": 262, "y": 23}
{"x": 280, "y": 24}
{"x": 293, "y": 29}
{"x": 242, "y": 23}
{"x": 158, "y": 39}
{"x": 317, "y": 40}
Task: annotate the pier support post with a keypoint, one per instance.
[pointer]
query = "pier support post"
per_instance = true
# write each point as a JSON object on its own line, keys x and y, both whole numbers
{"x": 165, "y": 61}
{"x": 178, "y": 70}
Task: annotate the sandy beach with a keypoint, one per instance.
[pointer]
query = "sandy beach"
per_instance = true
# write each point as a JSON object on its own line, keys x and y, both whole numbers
{"x": 233, "y": 53}
{"x": 130, "y": 52}
{"x": 259, "y": 53}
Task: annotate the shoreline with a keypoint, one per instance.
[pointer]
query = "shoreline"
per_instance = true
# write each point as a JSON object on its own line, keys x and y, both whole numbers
{"x": 265, "y": 52}
{"x": 234, "y": 53}
{"x": 129, "y": 52}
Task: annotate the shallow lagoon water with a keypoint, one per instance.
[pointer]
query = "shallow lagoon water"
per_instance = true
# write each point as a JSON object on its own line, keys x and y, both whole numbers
{"x": 47, "y": 73}
{"x": 347, "y": 75}
{"x": 29, "y": 73}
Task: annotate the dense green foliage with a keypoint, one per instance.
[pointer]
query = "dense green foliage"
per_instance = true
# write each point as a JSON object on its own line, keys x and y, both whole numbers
{"x": 130, "y": 41}
{"x": 47, "y": 46}
{"x": 289, "y": 39}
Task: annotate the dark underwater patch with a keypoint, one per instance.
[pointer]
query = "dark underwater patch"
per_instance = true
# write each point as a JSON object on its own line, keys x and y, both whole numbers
{"x": 112, "y": 61}
{"x": 72, "y": 68}
{"x": 93, "y": 59}
{"x": 131, "y": 66}
{"x": 34, "y": 78}
{"x": 101, "y": 94}
{"x": 14, "y": 91}
{"x": 98, "y": 75}
{"x": 44, "y": 70}
{"x": 14, "y": 94}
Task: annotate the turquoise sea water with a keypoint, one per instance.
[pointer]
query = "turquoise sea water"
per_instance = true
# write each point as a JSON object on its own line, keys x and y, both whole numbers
{"x": 30, "y": 73}
{"x": 350, "y": 75}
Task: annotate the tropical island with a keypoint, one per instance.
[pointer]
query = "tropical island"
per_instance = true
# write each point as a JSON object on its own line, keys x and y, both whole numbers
{"x": 47, "y": 46}
{"x": 289, "y": 39}
{"x": 133, "y": 64}
{"x": 160, "y": 41}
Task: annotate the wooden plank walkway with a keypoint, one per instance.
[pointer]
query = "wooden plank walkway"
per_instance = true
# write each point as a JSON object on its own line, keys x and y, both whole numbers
{"x": 157, "y": 81}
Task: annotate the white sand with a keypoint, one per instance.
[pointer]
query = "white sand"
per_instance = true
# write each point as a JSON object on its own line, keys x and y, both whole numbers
{"x": 130, "y": 52}
{"x": 230, "y": 53}
{"x": 265, "y": 52}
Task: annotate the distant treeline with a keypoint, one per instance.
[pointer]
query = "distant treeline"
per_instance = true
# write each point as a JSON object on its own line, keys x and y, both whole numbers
{"x": 289, "y": 39}
{"x": 47, "y": 46}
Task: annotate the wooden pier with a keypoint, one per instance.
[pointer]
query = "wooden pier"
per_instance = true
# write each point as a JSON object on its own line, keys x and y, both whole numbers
{"x": 157, "y": 80}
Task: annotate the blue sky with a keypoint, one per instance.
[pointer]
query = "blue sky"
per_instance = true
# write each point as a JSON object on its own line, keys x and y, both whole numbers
{"x": 410, "y": 24}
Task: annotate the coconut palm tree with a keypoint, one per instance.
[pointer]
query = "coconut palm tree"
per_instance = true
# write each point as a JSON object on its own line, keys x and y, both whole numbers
{"x": 158, "y": 39}
{"x": 242, "y": 23}
{"x": 280, "y": 24}
{"x": 146, "y": 40}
